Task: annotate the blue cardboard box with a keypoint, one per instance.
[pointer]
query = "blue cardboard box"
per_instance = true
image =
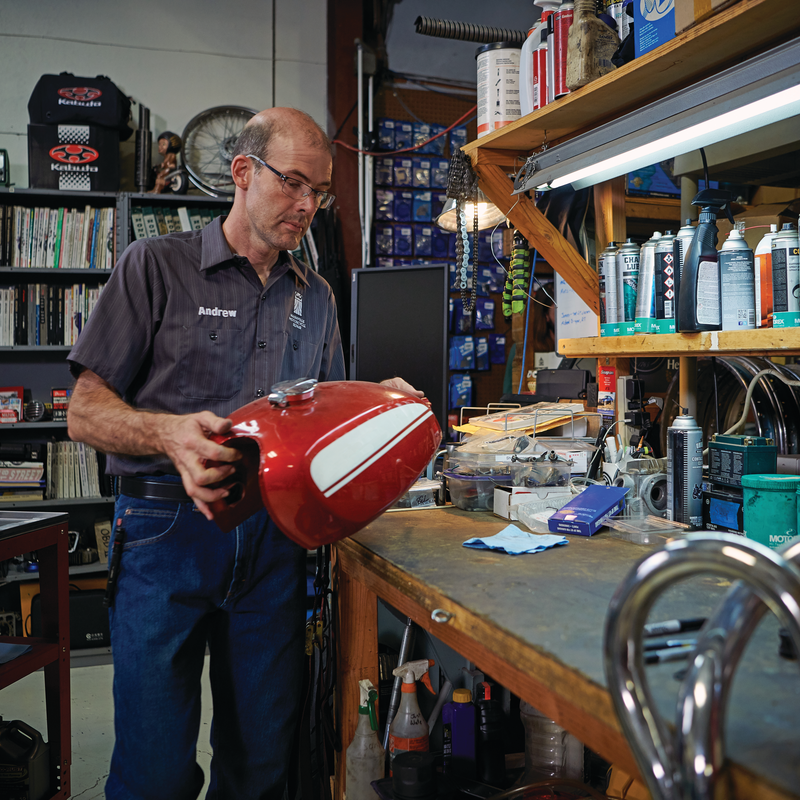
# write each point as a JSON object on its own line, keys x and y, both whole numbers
{"x": 653, "y": 24}
{"x": 586, "y": 513}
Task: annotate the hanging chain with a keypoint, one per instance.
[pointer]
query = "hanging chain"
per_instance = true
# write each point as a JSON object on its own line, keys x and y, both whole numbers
{"x": 462, "y": 185}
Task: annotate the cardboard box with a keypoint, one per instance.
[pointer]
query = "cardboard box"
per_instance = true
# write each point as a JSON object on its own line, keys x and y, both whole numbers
{"x": 757, "y": 221}
{"x": 507, "y": 498}
{"x": 653, "y": 25}
{"x": 690, "y": 12}
{"x": 74, "y": 158}
{"x": 587, "y": 513}
{"x": 656, "y": 180}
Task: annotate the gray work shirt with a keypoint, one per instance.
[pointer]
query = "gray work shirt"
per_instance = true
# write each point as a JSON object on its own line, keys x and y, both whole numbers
{"x": 185, "y": 326}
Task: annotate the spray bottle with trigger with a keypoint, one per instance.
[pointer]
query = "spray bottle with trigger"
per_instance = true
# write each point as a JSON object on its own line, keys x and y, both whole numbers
{"x": 366, "y": 758}
{"x": 699, "y": 303}
{"x": 409, "y": 730}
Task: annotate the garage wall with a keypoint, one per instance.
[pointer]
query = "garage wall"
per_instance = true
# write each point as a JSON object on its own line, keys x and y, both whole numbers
{"x": 177, "y": 58}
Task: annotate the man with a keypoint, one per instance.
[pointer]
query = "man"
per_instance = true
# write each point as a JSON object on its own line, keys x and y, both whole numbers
{"x": 190, "y": 327}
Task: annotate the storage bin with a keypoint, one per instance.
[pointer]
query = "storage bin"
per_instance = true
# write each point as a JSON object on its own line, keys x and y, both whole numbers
{"x": 475, "y": 492}
{"x": 770, "y": 508}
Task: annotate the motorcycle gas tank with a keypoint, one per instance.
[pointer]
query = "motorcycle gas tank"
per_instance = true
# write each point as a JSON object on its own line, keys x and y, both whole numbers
{"x": 325, "y": 459}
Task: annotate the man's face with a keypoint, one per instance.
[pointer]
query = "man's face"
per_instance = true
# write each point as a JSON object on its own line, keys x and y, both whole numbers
{"x": 278, "y": 220}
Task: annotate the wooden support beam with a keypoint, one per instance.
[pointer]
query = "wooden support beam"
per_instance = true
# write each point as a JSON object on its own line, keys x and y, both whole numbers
{"x": 524, "y": 215}
{"x": 609, "y": 212}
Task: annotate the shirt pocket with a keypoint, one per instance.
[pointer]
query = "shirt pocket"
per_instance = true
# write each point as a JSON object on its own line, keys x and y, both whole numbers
{"x": 302, "y": 356}
{"x": 212, "y": 363}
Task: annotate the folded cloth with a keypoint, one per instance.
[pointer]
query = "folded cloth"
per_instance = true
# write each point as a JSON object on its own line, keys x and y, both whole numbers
{"x": 515, "y": 541}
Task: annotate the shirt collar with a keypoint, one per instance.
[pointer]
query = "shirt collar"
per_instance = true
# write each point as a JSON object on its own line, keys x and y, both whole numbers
{"x": 215, "y": 251}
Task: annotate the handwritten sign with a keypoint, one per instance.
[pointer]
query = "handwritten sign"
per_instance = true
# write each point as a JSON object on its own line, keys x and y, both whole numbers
{"x": 574, "y": 319}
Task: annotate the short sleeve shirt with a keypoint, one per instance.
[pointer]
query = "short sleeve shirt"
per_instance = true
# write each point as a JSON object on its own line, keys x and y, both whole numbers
{"x": 183, "y": 325}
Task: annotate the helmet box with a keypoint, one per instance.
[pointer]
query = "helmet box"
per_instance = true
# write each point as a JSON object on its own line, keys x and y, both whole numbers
{"x": 74, "y": 158}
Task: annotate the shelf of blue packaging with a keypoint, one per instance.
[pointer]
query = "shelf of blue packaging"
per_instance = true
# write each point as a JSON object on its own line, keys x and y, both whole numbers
{"x": 762, "y": 341}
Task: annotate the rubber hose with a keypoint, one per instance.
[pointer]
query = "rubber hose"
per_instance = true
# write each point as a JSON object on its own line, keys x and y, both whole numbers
{"x": 466, "y": 31}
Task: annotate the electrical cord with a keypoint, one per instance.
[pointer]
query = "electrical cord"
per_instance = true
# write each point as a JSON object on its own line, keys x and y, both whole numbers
{"x": 527, "y": 317}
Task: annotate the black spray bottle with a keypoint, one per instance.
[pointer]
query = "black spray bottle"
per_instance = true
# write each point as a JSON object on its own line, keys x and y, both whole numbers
{"x": 699, "y": 306}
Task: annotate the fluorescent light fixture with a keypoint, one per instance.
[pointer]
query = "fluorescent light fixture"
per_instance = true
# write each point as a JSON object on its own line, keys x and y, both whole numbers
{"x": 489, "y": 214}
{"x": 758, "y": 92}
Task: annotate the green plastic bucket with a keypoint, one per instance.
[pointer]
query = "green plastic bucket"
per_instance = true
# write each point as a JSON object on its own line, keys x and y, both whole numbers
{"x": 770, "y": 508}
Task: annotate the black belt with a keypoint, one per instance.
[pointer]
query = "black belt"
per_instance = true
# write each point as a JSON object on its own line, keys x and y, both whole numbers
{"x": 147, "y": 489}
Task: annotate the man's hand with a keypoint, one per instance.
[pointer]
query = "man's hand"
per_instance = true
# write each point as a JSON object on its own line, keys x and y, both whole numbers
{"x": 403, "y": 386}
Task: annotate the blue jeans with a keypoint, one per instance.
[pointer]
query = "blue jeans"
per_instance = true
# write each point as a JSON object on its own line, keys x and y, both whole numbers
{"x": 184, "y": 585}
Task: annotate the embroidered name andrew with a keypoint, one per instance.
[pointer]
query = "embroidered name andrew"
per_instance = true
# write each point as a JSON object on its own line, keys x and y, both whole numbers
{"x": 216, "y": 312}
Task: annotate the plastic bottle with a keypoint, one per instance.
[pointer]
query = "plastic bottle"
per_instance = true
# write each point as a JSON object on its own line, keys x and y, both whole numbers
{"x": 550, "y": 751}
{"x": 366, "y": 758}
{"x": 458, "y": 718}
{"x": 526, "y": 72}
{"x": 763, "y": 270}
{"x": 699, "y": 296}
{"x": 409, "y": 730}
{"x": 491, "y": 753}
{"x": 590, "y": 46}
{"x": 24, "y": 762}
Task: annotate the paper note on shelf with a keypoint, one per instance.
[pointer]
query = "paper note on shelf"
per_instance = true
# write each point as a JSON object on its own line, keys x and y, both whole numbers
{"x": 574, "y": 319}
{"x": 539, "y": 416}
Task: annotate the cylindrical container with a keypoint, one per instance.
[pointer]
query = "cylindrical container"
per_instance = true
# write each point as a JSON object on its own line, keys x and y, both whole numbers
{"x": 551, "y": 58}
{"x": 770, "y": 508}
{"x": 540, "y": 69}
{"x": 24, "y": 762}
{"x": 786, "y": 278}
{"x": 737, "y": 283}
{"x": 679, "y": 245}
{"x": 685, "y": 471}
{"x": 763, "y": 270}
{"x": 526, "y": 61}
{"x": 498, "y": 86}
{"x": 664, "y": 280}
{"x": 491, "y": 754}
{"x": 628, "y": 273}
{"x": 646, "y": 290}
{"x": 458, "y": 720}
{"x": 414, "y": 777}
{"x": 550, "y": 751}
{"x": 562, "y": 21}
{"x": 609, "y": 297}
{"x": 365, "y": 760}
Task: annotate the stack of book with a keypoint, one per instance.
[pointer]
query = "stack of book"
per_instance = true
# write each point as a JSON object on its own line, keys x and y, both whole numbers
{"x": 21, "y": 481}
{"x": 57, "y": 238}
{"x": 72, "y": 471}
{"x": 147, "y": 221}
{"x": 37, "y": 314}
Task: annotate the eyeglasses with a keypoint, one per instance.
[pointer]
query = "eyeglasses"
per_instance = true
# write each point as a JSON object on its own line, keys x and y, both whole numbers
{"x": 298, "y": 190}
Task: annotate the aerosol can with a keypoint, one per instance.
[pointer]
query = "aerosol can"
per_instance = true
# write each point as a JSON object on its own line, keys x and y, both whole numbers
{"x": 664, "y": 319}
{"x": 409, "y": 730}
{"x": 685, "y": 471}
{"x": 786, "y": 278}
{"x": 699, "y": 298}
{"x": 737, "y": 283}
{"x": 609, "y": 283}
{"x": 763, "y": 257}
{"x": 679, "y": 246}
{"x": 646, "y": 290}
{"x": 628, "y": 275}
{"x": 366, "y": 758}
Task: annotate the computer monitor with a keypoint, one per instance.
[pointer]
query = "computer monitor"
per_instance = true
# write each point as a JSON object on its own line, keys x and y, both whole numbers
{"x": 399, "y": 328}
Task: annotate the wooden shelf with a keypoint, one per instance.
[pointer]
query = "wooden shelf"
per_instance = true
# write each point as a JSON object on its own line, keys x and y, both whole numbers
{"x": 725, "y": 39}
{"x": 660, "y": 208}
{"x": 717, "y": 343}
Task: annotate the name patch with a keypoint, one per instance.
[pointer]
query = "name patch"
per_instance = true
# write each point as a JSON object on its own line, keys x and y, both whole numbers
{"x": 216, "y": 312}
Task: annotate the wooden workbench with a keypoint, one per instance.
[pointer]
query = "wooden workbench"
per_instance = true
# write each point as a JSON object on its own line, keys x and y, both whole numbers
{"x": 535, "y": 624}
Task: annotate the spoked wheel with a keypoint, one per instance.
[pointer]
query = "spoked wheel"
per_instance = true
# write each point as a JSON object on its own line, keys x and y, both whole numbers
{"x": 208, "y": 142}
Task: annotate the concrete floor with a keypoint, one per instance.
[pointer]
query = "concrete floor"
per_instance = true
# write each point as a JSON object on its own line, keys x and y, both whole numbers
{"x": 92, "y": 722}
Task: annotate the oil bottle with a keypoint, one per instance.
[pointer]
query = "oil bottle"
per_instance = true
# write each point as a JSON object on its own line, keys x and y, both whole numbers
{"x": 409, "y": 730}
{"x": 591, "y": 43}
{"x": 699, "y": 307}
{"x": 366, "y": 758}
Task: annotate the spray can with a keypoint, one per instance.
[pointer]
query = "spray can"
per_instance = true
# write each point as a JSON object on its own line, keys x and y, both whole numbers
{"x": 763, "y": 270}
{"x": 646, "y": 290}
{"x": 498, "y": 86}
{"x": 737, "y": 283}
{"x": 551, "y": 59}
{"x": 366, "y": 758}
{"x": 409, "y": 730}
{"x": 665, "y": 295}
{"x": 685, "y": 471}
{"x": 609, "y": 283}
{"x": 628, "y": 274}
{"x": 561, "y": 25}
{"x": 526, "y": 61}
{"x": 458, "y": 719}
{"x": 540, "y": 59}
{"x": 786, "y": 278}
{"x": 679, "y": 245}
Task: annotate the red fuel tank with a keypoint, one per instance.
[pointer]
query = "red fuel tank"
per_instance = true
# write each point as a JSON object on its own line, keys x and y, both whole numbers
{"x": 325, "y": 459}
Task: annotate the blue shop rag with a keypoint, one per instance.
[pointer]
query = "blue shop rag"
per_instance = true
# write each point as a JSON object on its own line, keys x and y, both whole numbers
{"x": 515, "y": 541}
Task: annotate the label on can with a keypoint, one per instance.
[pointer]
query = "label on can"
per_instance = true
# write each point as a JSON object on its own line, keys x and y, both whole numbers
{"x": 498, "y": 89}
{"x": 708, "y": 308}
{"x": 629, "y": 273}
{"x": 763, "y": 270}
{"x": 786, "y": 286}
{"x": 563, "y": 22}
{"x": 685, "y": 476}
{"x": 665, "y": 293}
{"x": 737, "y": 289}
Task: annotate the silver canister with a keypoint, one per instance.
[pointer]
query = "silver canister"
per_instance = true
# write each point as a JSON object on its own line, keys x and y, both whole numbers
{"x": 737, "y": 283}
{"x": 665, "y": 294}
{"x": 628, "y": 273}
{"x": 685, "y": 471}
{"x": 786, "y": 278}
{"x": 679, "y": 245}
{"x": 646, "y": 291}
{"x": 609, "y": 283}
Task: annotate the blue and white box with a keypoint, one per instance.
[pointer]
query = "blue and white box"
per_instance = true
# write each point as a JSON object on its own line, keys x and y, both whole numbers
{"x": 587, "y": 512}
{"x": 653, "y": 24}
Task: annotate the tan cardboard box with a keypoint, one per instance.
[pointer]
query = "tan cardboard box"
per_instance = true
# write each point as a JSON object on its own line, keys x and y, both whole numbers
{"x": 689, "y": 12}
{"x": 757, "y": 221}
